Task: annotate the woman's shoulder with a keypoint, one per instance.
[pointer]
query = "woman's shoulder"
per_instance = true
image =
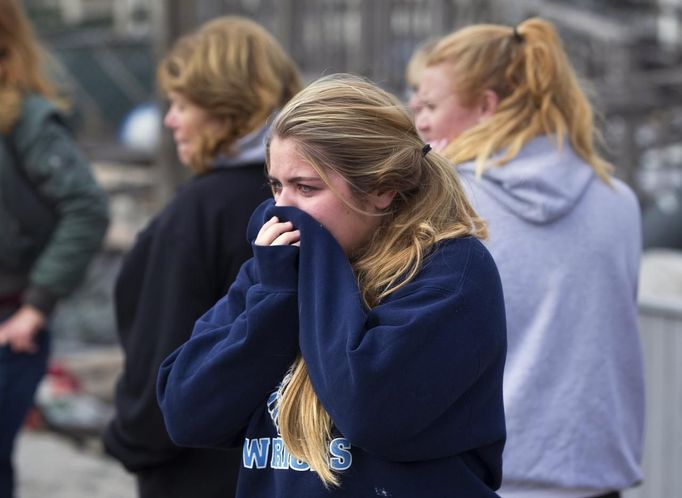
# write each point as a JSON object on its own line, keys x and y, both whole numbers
{"x": 454, "y": 262}
{"x": 460, "y": 248}
{"x": 620, "y": 190}
{"x": 36, "y": 109}
{"x": 222, "y": 197}
{"x": 613, "y": 206}
{"x": 27, "y": 114}
{"x": 232, "y": 184}
{"x": 222, "y": 187}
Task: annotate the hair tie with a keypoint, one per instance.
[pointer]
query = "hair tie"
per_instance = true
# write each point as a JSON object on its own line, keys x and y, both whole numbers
{"x": 426, "y": 149}
{"x": 517, "y": 36}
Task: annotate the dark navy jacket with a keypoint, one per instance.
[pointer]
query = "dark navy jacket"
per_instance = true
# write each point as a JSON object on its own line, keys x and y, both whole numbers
{"x": 413, "y": 386}
{"x": 181, "y": 264}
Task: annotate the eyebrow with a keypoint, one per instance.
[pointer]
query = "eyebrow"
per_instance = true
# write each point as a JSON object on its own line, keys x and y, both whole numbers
{"x": 296, "y": 179}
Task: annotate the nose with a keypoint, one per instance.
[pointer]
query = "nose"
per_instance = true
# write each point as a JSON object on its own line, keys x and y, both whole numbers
{"x": 169, "y": 120}
{"x": 413, "y": 104}
{"x": 420, "y": 121}
{"x": 284, "y": 198}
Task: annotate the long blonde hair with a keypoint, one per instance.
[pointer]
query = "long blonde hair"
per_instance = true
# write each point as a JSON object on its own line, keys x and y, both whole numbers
{"x": 23, "y": 63}
{"x": 234, "y": 70}
{"x": 347, "y": 125}
{"x": 537, "y": 88}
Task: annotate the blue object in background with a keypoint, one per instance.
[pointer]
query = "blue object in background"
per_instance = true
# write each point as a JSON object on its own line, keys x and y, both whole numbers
{"x": 141, "y": 128}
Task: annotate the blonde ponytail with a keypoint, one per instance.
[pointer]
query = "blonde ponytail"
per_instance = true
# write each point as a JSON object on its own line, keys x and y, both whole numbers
{"x": 538, "y": 90}
{"x": 304, "y": 423}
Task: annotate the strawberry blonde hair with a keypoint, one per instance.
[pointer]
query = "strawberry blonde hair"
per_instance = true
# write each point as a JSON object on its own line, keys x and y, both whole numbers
{"x": 538, "y": 91}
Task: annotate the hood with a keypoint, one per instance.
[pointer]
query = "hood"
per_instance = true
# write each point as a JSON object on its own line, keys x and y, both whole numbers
{"x": 541, "y": 184}
{"x": 248, "y": 149}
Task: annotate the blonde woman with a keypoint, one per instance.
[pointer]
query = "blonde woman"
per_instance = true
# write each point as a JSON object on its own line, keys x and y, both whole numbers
{"x": 360, "y": 352}
{"x": 566, "y": 238}
{"x": 224, "y": 83}
{"x": 53, "y": 217}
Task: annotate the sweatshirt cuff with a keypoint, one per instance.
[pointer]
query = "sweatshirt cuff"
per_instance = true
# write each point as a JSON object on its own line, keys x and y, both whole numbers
{"x": 40, "y": 298}
{"x": 277, "y": 267}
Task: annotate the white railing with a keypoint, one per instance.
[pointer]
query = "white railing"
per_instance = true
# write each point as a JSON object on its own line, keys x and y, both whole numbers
{"x": 661, "y": 332}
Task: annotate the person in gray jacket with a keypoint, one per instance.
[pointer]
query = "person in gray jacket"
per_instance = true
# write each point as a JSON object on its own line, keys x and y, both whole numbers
{"x": 53, "y": 217}
{"x": 504, "y": 105}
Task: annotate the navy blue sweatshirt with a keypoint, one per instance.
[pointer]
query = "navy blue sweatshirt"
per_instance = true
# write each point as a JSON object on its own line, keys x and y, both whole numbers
{"x": 413, "y": 386}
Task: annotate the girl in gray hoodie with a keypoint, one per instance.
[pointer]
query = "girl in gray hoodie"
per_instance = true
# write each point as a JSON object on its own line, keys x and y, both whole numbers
{"x": 505, "y": 106}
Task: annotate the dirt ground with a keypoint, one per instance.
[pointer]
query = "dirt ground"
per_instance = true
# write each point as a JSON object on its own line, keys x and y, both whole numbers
{"x": 49, "y": 465}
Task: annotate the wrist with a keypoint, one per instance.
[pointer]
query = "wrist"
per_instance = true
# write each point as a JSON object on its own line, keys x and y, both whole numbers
{"x": 40, "y": 298}
{"x": 277, "y": 267}
{"x": 32, "y": 317}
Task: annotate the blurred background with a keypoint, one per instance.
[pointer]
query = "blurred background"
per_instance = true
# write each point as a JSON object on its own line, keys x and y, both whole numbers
{"x": 628, "y": 52}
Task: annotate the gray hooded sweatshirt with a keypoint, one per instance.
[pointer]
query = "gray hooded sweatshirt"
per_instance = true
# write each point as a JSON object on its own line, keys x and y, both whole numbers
{"x": 567, "y": 246}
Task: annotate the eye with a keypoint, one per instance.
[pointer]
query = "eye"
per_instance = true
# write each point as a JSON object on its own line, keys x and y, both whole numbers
{"x": 275, "y": 186}
{"x": 306, "y": 189}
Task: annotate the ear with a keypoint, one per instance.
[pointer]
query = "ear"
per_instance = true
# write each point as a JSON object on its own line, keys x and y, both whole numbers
{"x": 488, "y": 104}
{"x": 381, "y": 200}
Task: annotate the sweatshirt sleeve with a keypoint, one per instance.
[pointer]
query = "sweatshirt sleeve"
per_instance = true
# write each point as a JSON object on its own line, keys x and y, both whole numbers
{"x": 238, "y": 353}
{"x": 418, "y": 376}
{"x": 62, "y": 175}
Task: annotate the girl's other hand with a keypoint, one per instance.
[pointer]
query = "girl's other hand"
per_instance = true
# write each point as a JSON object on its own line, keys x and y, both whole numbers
{"x": 19, "y": 331}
